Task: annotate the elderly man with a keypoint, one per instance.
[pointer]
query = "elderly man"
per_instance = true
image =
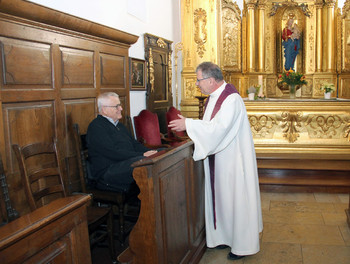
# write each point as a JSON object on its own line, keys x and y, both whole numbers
{"x": 232, "y": 199}
{"x": 111, "y": 148}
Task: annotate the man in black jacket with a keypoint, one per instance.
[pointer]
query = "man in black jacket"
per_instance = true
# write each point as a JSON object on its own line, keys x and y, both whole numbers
{"x": 111, "y": 148}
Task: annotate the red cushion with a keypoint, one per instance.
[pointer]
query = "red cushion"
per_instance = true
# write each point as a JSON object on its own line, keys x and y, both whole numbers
{"x": 147, "y": 128}
{"x": 172, "y": 115}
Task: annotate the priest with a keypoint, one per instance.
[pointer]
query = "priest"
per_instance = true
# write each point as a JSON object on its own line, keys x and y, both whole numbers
{"x": 223, "y": 139}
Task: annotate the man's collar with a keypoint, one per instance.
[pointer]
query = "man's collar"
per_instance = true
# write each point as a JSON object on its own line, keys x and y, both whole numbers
{"x": 111, "y": 120}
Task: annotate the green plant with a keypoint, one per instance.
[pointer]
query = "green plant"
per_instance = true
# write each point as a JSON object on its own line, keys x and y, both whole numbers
{"x": 292, "y": 78}
{"x": 327, "y": 87}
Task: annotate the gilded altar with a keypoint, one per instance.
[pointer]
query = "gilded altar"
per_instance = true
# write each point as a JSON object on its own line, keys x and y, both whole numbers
{"x": 247, "y": 44}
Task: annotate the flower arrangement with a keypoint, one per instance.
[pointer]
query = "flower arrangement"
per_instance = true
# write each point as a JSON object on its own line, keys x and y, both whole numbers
{"x": 327, "y": 87}
{"x": 292, "y": 78}
{"x": 251, "y": 89}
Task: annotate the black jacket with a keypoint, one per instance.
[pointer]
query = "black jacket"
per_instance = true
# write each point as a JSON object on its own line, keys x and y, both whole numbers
{"x": 108, "y": 145}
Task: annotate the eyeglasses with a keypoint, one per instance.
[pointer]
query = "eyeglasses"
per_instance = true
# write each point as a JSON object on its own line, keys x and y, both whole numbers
{"x": 198, "y": 80}
{"x": 115, "y": 106}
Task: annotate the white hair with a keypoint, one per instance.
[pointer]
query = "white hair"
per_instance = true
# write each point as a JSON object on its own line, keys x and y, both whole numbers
{"x": 103, "y": 99}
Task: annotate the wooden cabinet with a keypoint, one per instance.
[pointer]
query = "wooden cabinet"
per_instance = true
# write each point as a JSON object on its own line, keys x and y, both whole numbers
{"x": 53, "y": 67}
{"x": 171, "y": 226}
{"x": 54, "y": 233}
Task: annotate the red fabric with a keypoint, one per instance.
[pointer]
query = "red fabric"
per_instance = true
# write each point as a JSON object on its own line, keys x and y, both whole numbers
{"x": 172, "y": 115}
{"x": 147, "y": 128}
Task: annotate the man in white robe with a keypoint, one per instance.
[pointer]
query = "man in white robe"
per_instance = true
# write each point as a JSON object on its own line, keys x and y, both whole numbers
{"x": 234, "y": 217}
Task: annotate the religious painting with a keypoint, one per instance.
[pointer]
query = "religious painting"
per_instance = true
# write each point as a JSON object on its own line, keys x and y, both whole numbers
{"x": 137, "y": 74}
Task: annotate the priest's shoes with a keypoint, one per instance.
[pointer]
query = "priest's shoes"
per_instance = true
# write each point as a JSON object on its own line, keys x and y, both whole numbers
{"x": 221, "y": 247}
{"x": 232, "y": 256}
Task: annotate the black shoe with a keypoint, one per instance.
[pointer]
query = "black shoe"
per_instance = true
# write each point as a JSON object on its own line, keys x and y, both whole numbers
{"x": 221, "y": 247}
{"x": 232, "y": 256}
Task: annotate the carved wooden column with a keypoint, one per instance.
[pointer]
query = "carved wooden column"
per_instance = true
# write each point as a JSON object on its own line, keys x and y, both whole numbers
{"x": 330, "y": 36}
{"x": 251, "y": 36}
{"x": 261, "y": 34}
{"x": 319, "y": 55}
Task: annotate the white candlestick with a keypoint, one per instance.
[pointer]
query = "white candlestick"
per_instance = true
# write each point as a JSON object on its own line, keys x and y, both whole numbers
{"x": 260, "y": 80}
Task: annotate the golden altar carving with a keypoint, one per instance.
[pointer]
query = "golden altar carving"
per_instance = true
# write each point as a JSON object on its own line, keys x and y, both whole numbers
{"x": 247, "y": 44}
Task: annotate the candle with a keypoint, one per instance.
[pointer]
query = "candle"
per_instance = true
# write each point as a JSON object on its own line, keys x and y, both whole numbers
{"x": 260, "y": 81}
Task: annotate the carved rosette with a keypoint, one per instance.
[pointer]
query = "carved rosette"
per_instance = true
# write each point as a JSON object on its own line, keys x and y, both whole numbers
{"x": 200, "y": 31}
{"x": 161, "y": 43}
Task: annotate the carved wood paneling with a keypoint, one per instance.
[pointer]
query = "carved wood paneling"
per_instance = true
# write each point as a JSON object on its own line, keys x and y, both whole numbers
{"x": 34, "y": 66}
{"x": 173, "y": 192}
{"x": 78, "y": 67}
{"x": 113, "y": 70}
{"x": 50, "y": 78}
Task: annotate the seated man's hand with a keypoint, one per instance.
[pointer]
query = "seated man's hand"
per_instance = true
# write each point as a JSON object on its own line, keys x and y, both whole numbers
{"x": 150, "y": 153}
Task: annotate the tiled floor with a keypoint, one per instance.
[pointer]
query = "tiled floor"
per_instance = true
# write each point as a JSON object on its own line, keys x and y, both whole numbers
{"x": 299, "y": 228}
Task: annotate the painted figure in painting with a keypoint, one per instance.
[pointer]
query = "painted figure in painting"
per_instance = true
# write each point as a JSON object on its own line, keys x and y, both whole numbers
{"x": 291, "y": 43}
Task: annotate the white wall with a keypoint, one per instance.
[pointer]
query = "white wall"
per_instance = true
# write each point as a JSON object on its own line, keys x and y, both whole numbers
{"x": 157, "y": 17}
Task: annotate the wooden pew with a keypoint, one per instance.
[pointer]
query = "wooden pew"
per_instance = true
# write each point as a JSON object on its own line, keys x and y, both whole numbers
{"x": 55, "y": 233}
{"x": 171, "y": 226}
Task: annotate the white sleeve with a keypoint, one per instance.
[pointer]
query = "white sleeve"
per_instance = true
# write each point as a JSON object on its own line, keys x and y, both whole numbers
{"x": 212, "y": 136}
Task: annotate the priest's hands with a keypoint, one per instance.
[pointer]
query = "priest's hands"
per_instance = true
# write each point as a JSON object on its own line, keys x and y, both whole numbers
{"x": 178, "y": 124}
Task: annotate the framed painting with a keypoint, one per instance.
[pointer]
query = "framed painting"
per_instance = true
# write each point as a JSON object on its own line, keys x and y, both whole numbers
{"x": 137, "y": 74}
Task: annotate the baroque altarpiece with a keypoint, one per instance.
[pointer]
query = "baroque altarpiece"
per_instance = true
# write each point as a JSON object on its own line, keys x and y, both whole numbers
{"x": 308, "y": 132}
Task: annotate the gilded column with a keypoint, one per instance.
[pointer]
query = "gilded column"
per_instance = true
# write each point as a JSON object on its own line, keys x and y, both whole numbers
{"x": 319, "y": 5}
{"x": 330, "y": 36}
{"x": 251, "y": 35}
{"x": 261, "y": 36}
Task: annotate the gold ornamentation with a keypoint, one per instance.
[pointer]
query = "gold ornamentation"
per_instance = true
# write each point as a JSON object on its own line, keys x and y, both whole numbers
{"x": 324, "y": 126}
{"x": 231, "y": 36}
{"x": 191, "y": 89}
{"x": 161, "y": 43}
{"x": 170, "y": 70}
{"x": 200, "y": 32}
{"x": 261, "y": 125}
{"x": 151, "y": 70}
{"x": 291, "y": 124}
{"x": 347, "y": 131}
{"x": 178, "y": 47}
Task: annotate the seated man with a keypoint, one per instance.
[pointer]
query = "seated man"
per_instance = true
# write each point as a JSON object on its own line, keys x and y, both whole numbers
{"x": 111, "y": 148}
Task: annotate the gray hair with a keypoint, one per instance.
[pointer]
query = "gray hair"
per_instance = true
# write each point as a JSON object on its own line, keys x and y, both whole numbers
{"x": 210, "y": 69}
{"x": 103, "y": 99}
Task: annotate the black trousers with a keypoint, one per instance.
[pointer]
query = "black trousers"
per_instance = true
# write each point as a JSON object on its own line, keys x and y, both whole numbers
{"x": 118, "y": 176}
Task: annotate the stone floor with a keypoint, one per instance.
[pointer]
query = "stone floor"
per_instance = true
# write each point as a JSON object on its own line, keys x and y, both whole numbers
{"x": 299, "y": 228}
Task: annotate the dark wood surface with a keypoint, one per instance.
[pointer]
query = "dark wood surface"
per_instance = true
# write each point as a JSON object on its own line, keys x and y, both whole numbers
{"x": 170, "y": 228}
{"x": 347, "y": 211}
{"x": 159, "y": 97}
{"x": 53, "y": 67}
{"x": 56, "y": 232}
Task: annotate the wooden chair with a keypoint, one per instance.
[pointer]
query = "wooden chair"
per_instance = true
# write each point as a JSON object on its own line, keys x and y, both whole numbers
{"x": 119, "y": 199}
{"x": 11, "y": 213}
{"x": 42, "y": 178}
{"x": 172, "y": 114}
{"x": 147, "y": 130}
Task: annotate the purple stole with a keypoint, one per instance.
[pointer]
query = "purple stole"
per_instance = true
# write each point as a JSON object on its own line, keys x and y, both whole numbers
{"x": 229, "y": 89}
